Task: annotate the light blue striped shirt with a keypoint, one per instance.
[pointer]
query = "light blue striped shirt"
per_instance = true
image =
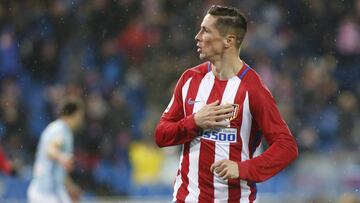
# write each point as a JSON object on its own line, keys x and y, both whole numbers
{"x": 48, "y": 174}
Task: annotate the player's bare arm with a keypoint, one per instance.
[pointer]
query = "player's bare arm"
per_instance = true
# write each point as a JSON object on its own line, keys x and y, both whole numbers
{"x": 55, "y": 153}
{"x": 73, "y": 189}
{"x": 213, "y": 115}
{"x": 225, "y": 169}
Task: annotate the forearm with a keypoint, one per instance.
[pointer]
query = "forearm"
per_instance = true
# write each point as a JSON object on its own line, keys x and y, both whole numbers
{"x": 73, "y": 189}
{"x": 54, "y": 152}
{"x": 279, "y": 155}
{"x": 170, "y": 133}
{"x": 70, "y": 185}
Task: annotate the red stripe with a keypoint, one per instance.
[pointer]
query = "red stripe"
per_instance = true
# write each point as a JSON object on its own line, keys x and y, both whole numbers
{"x": 207, "y": 151}
{"x": 191, "y": 94}
{"x": 206, "y": 178}
{"x": 252, "y": 146}
{"x": 252, "y": 195}
{"x": 234, "y": 189}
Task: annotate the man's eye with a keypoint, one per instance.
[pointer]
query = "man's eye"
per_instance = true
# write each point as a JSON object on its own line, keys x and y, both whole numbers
{"x": 203, "y": 29}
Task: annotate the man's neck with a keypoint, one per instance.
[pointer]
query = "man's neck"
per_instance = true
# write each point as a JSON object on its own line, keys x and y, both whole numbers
{"x": 227, "y": 66}
{"x": 68, "y": 122}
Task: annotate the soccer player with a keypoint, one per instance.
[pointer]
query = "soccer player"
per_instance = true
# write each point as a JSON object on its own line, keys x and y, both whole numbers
{"x": 216, "y": 113}
{"x": 54, "y": 158}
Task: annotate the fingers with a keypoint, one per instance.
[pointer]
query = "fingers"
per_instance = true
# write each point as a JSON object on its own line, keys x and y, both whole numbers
{"x": 223, "y": 116}
{"x": 223, "y": 173}
{"x": 225, "y": 169}
{"x": 214, "y": 115}
{"x": 215, "y": 109}
{"x": 229, "y": 107}
{"x": 215, "y": 165}
{"x": 215, "y": 103}
{"x": 219, "y": 124}
{"x": 223, "y": 110}
{"x": 222, "y": 170}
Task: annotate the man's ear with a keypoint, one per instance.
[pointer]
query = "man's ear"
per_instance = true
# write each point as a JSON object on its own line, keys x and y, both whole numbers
{"x": 230, "y": 41}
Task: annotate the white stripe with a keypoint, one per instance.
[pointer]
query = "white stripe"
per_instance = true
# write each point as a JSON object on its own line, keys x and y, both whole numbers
{"x": 230, "y": 91}
{"x": 245, "y": 192}
{"x": 258, "y": 151}
{"x": 222, "y": 149}
{"x": 245, "y": 136}
{"x": 245, "y": 129}
{"x": 185, "y": 89}
{"x": 202, "y": 96}
{"x": 170, "y": 104}
{"x": 221, "y": 185}
{"x": 184, "y": 92}
{"x": 178, "y": 180}
{"x": 204, "y": 91}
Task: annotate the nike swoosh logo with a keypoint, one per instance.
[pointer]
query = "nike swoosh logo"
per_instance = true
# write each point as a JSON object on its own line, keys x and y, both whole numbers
{"x": 192, "y": 102}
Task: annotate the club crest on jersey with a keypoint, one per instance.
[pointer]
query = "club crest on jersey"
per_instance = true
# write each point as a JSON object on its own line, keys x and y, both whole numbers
{"x": 236, "y": 108}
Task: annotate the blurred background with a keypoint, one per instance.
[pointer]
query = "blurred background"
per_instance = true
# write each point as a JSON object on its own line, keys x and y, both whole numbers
{"x": 123, "y": 58}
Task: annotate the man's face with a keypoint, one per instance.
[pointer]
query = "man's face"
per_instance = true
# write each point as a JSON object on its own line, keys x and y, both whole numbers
{"x": 209, "y": 41}
{"x": 78, "y": 120}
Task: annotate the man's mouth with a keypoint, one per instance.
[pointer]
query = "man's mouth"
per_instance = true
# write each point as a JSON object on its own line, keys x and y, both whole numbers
{"x": 198, "y": 48}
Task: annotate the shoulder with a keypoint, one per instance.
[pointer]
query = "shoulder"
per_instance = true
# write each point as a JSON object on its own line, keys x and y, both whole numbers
{"x": 54, "y": 128}
{"x": 253, "y": 81}
{"x": 256, "y": 88}
{"x": 251, "y": 76}
{"x": 57, "y": 125}
{"x": 259, "y": 94}
{"x": 199, "y": 70}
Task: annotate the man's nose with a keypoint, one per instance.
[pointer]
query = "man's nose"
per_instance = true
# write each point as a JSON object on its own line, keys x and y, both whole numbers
{"x": 197, "y": 37}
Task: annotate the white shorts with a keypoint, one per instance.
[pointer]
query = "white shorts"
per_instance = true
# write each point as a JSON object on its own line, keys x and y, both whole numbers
{"x": 35, "y": 196}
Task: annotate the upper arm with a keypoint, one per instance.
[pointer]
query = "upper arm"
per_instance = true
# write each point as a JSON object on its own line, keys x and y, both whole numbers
{"x": 55, "y": 141}
{"x": 175, "y": 111}
{"x": 265, "y": 112}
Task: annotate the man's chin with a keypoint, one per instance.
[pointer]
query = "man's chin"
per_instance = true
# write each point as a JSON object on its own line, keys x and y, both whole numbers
{"x": 202, "y": 56}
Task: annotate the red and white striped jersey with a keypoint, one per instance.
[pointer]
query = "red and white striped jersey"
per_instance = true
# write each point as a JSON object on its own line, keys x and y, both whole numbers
{"x": 255, "y": 111}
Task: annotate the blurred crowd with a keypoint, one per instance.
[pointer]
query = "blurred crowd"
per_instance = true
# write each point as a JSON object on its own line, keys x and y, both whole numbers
{"x": 123, "y": 57}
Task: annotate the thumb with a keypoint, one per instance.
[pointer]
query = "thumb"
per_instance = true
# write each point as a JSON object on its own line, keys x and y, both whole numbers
{"x": 215, "y": 103}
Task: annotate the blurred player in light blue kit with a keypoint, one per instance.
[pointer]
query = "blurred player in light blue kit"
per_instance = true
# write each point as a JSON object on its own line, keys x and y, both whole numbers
{"x": 54, "y": 158}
